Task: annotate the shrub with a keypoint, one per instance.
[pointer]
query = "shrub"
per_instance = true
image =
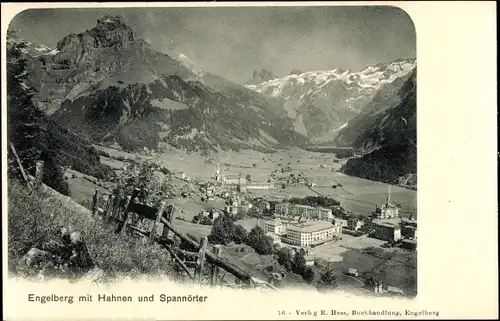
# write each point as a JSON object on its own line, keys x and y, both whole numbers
{"x": 33, "y": 219}
{"x": 240, "y": 234}
{"x": 222, "y": 231}
{"x": 259, "y": 241}
{"x": 308, "y": 274}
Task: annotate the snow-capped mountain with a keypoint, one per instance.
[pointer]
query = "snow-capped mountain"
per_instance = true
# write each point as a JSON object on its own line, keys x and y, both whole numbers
{"x": 109, "y": 85}
{"x": 322, "y": 102}
{"x": 260, "y": 76}
{"x": 31, "y": 49}
{"x": 188, "y": 63}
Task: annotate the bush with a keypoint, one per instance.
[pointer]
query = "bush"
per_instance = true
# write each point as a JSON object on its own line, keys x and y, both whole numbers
{"x": 206, "y": 221}
{"x": 222, "y": 231}
{"x": 240, "y": 234}
{"x": 34, "y": 219}
{"x": 284, "y": 258}
{"x": 308, "y": 274}
{"x": 299, "y": 263}
{"x": 259, "y": 241}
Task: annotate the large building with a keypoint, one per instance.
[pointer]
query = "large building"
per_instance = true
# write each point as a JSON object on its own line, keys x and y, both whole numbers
{"x": 387, "y": 231}
{"x": 312, "y": 233}
{"x": 354, "y": 223}
{"x": 388, "y": 210}
{"x": 306, "y": 211}
{"x": 409, "y": 232}
{"x": 260, "y": 186}
{"x": 274, "y": 227}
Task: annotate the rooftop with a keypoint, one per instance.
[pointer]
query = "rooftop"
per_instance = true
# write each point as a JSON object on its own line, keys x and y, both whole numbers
{"x": 274, "y": 222}
{"x": 311, "y": 226}
{"x": 386, "y": 223}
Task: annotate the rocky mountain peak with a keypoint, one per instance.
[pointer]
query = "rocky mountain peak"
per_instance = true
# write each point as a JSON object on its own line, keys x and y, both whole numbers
{"x": 110, "y": 31}
{"x": 260, "y": 76}
{"x": 296, "y": 71}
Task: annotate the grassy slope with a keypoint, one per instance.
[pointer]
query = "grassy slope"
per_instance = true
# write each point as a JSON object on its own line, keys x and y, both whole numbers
{"x": 33, "y": 219}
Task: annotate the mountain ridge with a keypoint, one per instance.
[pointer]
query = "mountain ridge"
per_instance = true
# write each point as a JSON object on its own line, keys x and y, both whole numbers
{"x": 322, "y": 101}
{"x": 109, "y": 85}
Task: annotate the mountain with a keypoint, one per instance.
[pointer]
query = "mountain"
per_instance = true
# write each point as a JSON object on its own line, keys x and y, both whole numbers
{"x": 388, "y": 138}
{"x": 29, "y": 48}
{"x": 322, "y": 102}
{"x": 109, "y": 85}
{"x": 390, "y": 99}
{"x": 35, "y": 136}
{"x": 260, "y": 76}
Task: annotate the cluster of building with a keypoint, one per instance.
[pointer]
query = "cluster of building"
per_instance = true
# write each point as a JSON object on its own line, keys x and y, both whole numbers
{"x": 404, "y": 230}
{"x": 241, "y": 184}
{"x": 309, "y": 212}
{"x": 386, "y": 211}
{"x": 305, "y": 233}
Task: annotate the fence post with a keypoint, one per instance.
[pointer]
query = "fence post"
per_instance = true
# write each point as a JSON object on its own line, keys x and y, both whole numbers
{"x": 109, "y": 207}
{"x": 21, "y": 168}
{"x": 95, "y": 199}
{"x": 152, "y": 234}
{"x": 125, "y": 215}
{"x": 38, "y": 173}
{"x": 215, "y": 269}
{"x": 201, "y": 258}
{"x": 170, "y": 218}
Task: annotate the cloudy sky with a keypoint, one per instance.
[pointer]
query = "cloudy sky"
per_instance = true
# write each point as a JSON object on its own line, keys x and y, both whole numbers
{"x": 234, "y": 41}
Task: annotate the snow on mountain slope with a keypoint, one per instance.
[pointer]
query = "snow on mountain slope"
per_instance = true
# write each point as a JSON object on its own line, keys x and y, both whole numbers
{"x": 336, "y": 95}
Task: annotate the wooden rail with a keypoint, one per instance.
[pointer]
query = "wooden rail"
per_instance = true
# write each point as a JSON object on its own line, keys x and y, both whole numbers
{"x": 165, "y": 217}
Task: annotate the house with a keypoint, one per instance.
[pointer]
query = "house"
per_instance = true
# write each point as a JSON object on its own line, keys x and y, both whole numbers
{"x": 309, "y": 260}
{"x": 354, "y": 224}
{"x": 386, "y": 211}
{"x": 409, "y": 244}
{"x": 275, "y": 227}
{"x": 352, "y": 272}
{"x": 276, "y": 238}
{"x": 409, "y": 231}
{"x": 341, "y": 222}
{"x": 214, "y": 214}
{"x": 311, "y": 233}
{"x": 252, "y": 186}
{"x": 387, "y": 231}
{"x": 304, "y": 210}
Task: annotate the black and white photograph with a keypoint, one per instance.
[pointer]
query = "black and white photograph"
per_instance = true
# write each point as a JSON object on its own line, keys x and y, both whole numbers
{"x": 232, "y": 147}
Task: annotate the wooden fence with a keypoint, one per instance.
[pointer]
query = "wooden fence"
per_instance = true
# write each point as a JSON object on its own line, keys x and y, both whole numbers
{"x": 162, "y": 231}
{"x": 191, "y": 262}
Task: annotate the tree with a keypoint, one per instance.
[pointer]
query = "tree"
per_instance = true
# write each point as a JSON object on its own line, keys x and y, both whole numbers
{"x": 259, "y": 241}
{"x": 222, "y": 231}
{"x": 146, "y": 175}
{"x": 327, "y": 280}
{"x": 206, "y": 221}
{"x": 284, "y": 258}
{"x": 240, "y": 234}
{"x": 24, "y": 122}
{"x": 309, "y": 274}
{"x": 299, "y": 263}
{"x": 248, "y": 178}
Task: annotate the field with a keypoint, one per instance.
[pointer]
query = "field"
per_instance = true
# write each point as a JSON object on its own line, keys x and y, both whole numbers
{"x": 250, "y": 261}
{"x": 360, "y": 196}
{"x": 356, "y": 195}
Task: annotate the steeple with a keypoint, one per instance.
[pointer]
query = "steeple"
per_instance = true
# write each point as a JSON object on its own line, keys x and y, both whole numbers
{"x": 389, "y": 196}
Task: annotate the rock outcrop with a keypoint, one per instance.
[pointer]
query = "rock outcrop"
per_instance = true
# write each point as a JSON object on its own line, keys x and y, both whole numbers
{"x": 65, "y": 256}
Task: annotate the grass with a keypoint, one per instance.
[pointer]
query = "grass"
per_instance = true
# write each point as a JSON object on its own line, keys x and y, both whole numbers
{"x": 34, "y": 219}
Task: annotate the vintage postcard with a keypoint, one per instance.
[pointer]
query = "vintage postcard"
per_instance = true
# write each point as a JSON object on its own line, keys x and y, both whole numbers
{"x": 249, "y": 160}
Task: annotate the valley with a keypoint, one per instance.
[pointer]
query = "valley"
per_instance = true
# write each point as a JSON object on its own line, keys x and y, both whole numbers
{"x": 298, "y": 179}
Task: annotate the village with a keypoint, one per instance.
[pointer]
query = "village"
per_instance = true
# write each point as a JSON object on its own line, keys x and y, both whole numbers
{"x": 321, "y": 233}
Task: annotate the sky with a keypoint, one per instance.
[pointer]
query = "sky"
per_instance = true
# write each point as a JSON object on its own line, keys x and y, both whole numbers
{"x": 234, "y": 41}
